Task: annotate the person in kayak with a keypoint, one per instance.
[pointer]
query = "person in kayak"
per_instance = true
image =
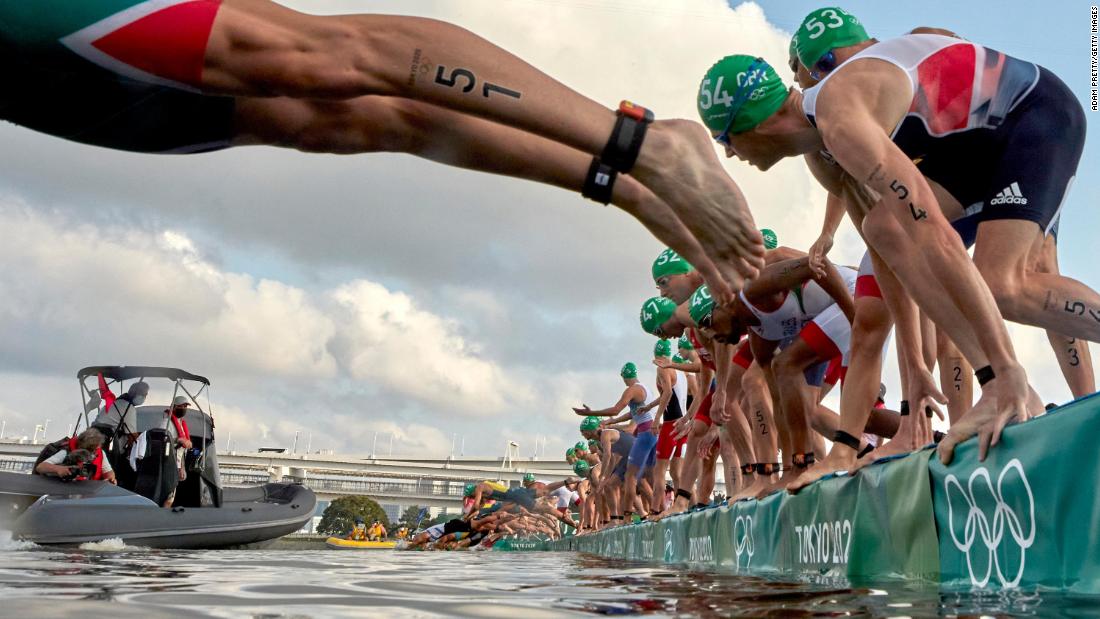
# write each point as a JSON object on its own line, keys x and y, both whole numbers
{"x": 376, "y": 532}
{"x": 358, "y": 533}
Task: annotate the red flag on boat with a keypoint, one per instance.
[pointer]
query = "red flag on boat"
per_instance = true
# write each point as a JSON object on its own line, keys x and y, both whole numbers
{"x": 105, "y": 393}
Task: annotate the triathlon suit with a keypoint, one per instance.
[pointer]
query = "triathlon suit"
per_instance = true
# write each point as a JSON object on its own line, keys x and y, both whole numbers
{"x": 457, "y": 526}
{"x": 122, "y": 74}
{"x": 669, "y": 447}
{"x": 564, "y": 497}
{"x": 997, "y": 132}
{"x": 642, "y": 454}
{"x": 707, "y": 360}
{"x": 866, "y": 284}
{"x": 809, "y": 313}
{"x": 622, "y": 448}
{"x": 435, "y": 531}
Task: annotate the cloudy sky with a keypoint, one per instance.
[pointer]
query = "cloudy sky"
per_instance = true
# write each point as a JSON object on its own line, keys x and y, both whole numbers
{"x": 350, "y": 296}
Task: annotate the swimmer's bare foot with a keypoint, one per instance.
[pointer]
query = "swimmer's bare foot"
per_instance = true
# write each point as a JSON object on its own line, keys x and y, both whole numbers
{"x": 1008, "y": 399}
{"x": 840, "y": 458}
{"x": 679, "y": 506}
{"x": 774, "y": 486}
{"x": 678, "y": 163}
{"x": 752, "y": 490}
{"x": 894, "y": 447}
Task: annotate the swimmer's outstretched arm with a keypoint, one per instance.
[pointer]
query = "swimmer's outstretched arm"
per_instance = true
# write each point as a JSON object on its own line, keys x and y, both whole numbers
{"x": 259, "y": 48}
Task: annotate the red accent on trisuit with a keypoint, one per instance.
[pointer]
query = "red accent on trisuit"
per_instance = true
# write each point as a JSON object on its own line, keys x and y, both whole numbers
{"x": 945, "y": 83}
{"x": 170, "y": 43}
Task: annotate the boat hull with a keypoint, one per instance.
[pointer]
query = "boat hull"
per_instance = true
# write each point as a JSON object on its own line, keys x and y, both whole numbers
{"x": 94, "y": 511}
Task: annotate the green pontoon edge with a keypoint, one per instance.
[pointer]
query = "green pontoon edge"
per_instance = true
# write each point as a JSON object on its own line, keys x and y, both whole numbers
{"x": 1029, "y": 516}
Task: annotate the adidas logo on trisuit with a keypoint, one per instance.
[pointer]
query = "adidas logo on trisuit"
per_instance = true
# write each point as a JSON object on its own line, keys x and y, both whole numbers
{"x": 1009, "y": 195}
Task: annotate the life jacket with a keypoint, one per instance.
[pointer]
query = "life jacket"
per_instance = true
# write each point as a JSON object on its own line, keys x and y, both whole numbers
{"x": 69, "y": 444}
{"x": 181, "y": 427}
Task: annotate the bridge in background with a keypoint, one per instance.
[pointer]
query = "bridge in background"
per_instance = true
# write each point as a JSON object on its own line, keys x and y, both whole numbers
{"x": 396, "y": 483}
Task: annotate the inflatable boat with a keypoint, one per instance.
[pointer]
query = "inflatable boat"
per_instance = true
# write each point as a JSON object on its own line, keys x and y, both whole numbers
{"x": 47, "y": 510}
{"x": 347, "y": 544}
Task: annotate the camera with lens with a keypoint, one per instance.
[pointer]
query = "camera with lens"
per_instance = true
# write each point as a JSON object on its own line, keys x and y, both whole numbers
{"x": 80, "y": 465}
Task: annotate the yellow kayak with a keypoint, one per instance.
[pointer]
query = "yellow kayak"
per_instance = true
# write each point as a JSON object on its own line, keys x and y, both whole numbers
{"x": 347, "y": 544}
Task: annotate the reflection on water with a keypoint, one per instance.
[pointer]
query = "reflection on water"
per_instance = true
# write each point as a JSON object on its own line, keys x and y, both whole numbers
{"x": 128, "y": 582}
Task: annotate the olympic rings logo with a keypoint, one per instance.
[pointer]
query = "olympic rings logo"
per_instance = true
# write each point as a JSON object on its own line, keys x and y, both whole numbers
{"x": 744, "y": 544}
{"x": 979, "y": 528}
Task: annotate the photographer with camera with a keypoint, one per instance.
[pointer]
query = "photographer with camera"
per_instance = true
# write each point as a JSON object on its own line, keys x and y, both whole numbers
{"x": 78, "y": 458}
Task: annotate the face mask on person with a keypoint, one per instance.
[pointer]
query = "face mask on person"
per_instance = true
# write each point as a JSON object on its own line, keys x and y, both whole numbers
{"x": 179, "y": 412}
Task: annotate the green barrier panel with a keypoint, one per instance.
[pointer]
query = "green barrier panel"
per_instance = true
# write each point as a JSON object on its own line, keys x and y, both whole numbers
{"x": 1029, "y": 514}
{"x": 877, "y": 523}
{"x": 521, "y": 544}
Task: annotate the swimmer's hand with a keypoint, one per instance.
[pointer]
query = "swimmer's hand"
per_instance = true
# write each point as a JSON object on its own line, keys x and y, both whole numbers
{"x": 682, "y": 427}
{"x": 818, "y": 253}
{"x": 663, "y": 362}
{"x": 583, "y": 411}
{"x": 923, "y": 393}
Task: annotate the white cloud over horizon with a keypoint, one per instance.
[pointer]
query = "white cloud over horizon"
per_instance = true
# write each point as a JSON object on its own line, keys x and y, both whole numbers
{"x": 354, "y": 297}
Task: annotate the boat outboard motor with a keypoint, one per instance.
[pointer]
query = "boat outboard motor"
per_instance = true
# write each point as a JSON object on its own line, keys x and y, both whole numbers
{"x": 157, "y": 475}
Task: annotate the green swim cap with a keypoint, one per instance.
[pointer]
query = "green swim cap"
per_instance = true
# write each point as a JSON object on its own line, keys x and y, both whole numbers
{"x": 655, "y": 312}
{"x": 528, "y": 478}
{"x": 678, "y": 359}
{"x": 590, "y": 423}
{"x": 771, "y": 241}
{"x": 581, "y": 446}
{"x": 744, "y": 88}
{"x": 669, "y": 262}
{"x": 685, "y": 343}
{"x": 469, "y": 489}
{"x": 701, "y": 304}
{"x": 629, "y": 370}
{"x": 581, "y": 468}
{"x": 570, "y": 452}
{"x": 593, "y": 444}
{"x": 663, "y": 348}
{"x": 824, "y": 30}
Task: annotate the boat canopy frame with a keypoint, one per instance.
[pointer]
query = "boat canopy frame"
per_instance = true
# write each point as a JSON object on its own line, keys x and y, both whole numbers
{"x": 119, "y": 374}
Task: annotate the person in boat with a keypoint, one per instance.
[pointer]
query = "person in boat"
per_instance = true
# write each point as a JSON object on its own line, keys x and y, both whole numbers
{"x": 358, "y": 533}
{"x": 118, "y": 424}
{"x": 178, "y": 432}
{"x": 402, "y": 532}
{"x": 376, "y": 532}
{"x": 80, "y": 458}
{"x": 204, "y": 75}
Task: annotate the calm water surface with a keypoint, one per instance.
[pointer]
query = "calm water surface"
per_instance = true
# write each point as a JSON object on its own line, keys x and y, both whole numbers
{"x": 121, "y": 582}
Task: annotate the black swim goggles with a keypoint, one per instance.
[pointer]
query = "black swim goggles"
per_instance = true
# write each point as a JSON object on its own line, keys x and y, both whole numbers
{"x": 741, "y": 96}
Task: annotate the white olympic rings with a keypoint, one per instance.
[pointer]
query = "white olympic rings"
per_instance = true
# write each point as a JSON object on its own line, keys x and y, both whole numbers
{"x": 978, "y": 526}
{"x": 743, "y": 545}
